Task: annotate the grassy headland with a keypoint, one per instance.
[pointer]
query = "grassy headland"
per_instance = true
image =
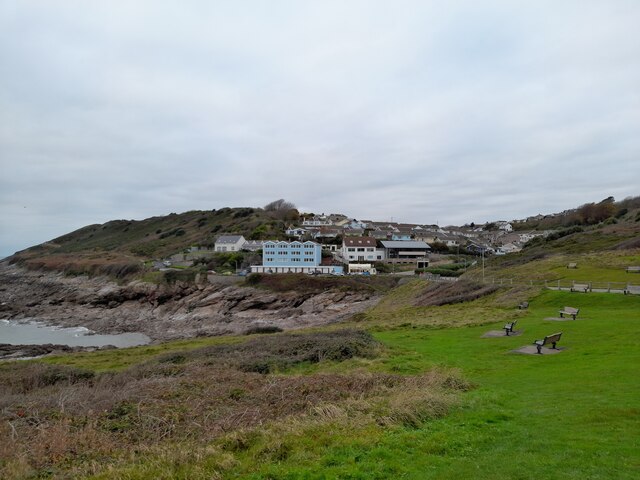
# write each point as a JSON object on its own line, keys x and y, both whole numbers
{"x": 575, "y": 414}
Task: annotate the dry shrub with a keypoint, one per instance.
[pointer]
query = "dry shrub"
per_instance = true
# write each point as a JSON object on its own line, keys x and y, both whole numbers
{"x": 268, "y": 354}
{"x": 412, "y": 407}
{"x": 309, "y": 284}
{"x": 628, "y": 244}
{"x": 437, "y": 294}
{"x": 22, "y": 378}
{"x": 61, "y": 419}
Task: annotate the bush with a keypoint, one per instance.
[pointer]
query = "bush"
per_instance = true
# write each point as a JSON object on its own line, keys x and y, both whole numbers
{"x": 272, "y": 353}
{"x": 261, "y": 329}
{"x": 451, "y": 293}
{"x": 28, "y": 377}
{"x": 443, "y": 272}
{"x": 173, "y": 276}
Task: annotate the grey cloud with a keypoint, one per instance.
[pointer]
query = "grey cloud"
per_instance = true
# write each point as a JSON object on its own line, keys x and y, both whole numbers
{"x": 422, "y": 111}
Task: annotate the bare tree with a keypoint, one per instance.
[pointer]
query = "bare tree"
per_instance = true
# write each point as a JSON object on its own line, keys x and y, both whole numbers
{"x": 282, "y": 210}
{"x": 279, "y": 205}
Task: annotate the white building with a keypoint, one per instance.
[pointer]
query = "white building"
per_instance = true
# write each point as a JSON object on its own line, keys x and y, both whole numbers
{"x": 229, "y": 243}
{"x": 361, "y": 249}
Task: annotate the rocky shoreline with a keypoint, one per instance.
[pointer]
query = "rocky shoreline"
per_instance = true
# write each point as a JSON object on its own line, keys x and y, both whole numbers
{"x": 165, "y": 312}
{"x": 14, "y": 352}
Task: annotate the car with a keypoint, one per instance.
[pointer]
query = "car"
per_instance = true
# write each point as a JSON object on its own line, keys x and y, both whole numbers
{"x": 337, "y": 274}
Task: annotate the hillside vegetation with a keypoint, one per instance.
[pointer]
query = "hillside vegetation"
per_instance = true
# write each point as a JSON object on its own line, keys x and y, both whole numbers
{"x": 119, "y": 247}
{"x": 601, "y": 254}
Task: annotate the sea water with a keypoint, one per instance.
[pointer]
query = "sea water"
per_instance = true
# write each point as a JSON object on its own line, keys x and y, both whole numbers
{"x": 36, "y": 333}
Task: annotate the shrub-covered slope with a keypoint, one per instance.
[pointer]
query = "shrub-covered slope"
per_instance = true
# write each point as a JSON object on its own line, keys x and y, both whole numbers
{"x": 117, "y": 247}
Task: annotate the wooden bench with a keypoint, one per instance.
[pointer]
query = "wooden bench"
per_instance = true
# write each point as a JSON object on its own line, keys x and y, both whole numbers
{"x": 632, "y": 269}
{"x": 569, "y": 311}
{"x": 523, "y": 306}
{"x": 549, "y": 339}
{"x": 508, "y": 328}
{"x": 572, "y": 265}
{"x": 580, "y": 287}
{"x": 632, "y": 289}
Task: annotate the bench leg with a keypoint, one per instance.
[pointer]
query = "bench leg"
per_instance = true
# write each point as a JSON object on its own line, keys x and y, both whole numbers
{"x": 561, "y": 315}
{"x": 553, "y": 345}
{"x": 574, "y": 317}
{"x": 506, "y": 330}
{"x": 539, "y": 347}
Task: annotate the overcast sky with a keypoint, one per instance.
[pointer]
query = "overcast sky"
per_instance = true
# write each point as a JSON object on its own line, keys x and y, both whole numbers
{"x": 420, "y": 111}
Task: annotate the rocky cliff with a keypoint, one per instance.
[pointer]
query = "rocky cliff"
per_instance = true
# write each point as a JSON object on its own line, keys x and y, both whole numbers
{"x": 167, "y": 311}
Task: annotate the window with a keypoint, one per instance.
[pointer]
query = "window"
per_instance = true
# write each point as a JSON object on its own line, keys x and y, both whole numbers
{"x": 308, "y": 253}
{"x": 351, "y": 249}
{"x": 361, "y": 249}
{"x": 369, "y": 249}
{"x": 295, "y": 253}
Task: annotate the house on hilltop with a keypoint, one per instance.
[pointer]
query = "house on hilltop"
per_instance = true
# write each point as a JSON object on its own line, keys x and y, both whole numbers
{"x": 229, "y": 243}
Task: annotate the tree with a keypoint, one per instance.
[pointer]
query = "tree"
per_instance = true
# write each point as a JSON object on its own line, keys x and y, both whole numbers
{"x": 279, "y": 205}
{"x": 282, "y": 210}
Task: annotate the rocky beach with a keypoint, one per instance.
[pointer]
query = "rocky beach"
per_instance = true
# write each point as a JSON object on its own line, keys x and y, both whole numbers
{"x": 216, "y": 306}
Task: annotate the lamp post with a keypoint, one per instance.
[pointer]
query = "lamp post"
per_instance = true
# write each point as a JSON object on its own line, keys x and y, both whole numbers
{"x": 482, "y": 250}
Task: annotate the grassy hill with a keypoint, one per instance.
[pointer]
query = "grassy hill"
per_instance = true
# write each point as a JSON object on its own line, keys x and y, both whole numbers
{"x": 600, "y": 251}
{"x": 118, "y": 247}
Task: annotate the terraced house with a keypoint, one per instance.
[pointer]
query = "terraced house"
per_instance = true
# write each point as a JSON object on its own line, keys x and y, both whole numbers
{"x": 292, "y": 257}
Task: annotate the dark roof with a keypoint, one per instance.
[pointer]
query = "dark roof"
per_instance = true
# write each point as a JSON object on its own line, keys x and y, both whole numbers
{"x": 228, "y": 238}
{"x": 360, "y": 242}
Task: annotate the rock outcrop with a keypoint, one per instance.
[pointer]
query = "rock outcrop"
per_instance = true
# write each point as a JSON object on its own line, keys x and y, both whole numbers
{"x": 163, "y": 312}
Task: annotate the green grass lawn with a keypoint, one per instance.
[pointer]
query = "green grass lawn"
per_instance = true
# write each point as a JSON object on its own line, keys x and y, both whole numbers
{"x": 571, "y": 415}
{"x": 574, "y": 415}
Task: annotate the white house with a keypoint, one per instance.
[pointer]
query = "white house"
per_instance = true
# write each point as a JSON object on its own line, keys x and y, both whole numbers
{"x": 229, "y": 243}
{"x": 317, "y": 221}
{"x": 504, "y": 226}
{"x": 509, "y": 248}
{"x": 296, "y": 232}
{"x": 361, "y": 249}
